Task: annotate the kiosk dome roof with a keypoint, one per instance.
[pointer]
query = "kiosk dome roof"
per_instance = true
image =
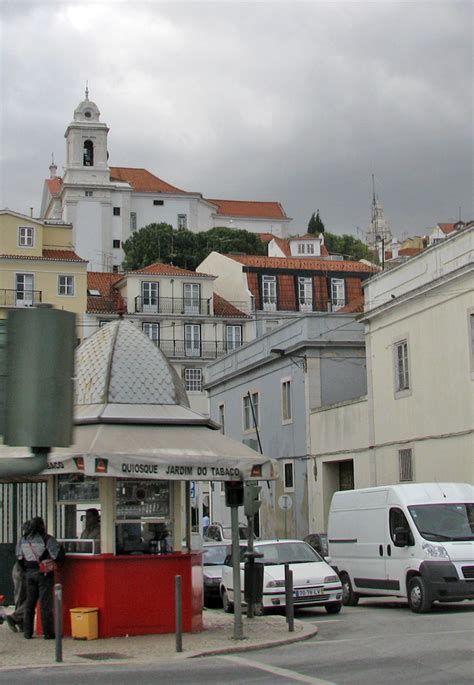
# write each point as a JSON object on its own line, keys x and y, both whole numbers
{"x": 120, "y": 365}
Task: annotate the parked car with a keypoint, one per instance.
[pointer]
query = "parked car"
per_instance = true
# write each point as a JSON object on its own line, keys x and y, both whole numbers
{"x": 213, "y": 557}
{"x": 315, "y": 583}
{"x": 319, "y": 542}
{"x": 220, "y": 533}
{"x": 410, "y": 540}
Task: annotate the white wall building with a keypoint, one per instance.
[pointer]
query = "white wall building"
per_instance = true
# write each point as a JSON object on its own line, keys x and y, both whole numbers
{"x": 107, "y": 204}
{"x": 416, "y": 423}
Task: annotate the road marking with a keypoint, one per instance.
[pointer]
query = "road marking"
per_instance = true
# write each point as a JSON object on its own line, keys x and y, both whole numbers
{"x": 283, "y": 672}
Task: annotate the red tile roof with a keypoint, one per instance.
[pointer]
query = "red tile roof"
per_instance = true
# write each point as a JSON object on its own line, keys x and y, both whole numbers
{"x": 261, "y": 210}
{"x": 265, "y": 237}
{"x": 48, "y": 256}
{"x": 409, "y": 251}
{"x": 168, "y": 270}
{"x": 447, "y": 228}
{"x": 284, "y": 246}
{"x": 353, "y": 307}
{"x": 66, "y": 255}
{"x": 54, "y": 185}
{"x": 306, "y": 263}
{"x": 142, "y": 181}
{"x": 306, "y": 236}
{"x": 109, "y": 298}
{"x": 224, "y": 308}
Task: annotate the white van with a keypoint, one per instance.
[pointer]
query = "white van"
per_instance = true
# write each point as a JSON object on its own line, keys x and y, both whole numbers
{"x": 414, "y": 541}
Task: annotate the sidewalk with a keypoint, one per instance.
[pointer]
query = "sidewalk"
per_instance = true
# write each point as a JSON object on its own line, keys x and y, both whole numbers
{"x": 216, "y": 638}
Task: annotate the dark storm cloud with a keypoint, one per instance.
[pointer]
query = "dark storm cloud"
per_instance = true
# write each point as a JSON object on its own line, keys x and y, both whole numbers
{"x": 297, "y": 102}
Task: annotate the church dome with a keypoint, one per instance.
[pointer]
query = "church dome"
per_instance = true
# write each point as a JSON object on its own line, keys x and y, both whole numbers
{"x": 120, "y": 365}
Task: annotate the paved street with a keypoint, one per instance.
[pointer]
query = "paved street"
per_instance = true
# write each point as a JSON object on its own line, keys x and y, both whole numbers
{"x": 379, "y": 641}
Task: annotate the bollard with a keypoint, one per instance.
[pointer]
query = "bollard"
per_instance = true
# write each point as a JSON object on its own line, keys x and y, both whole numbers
{"x": 179, "y": 614}
{"x": 58, "y": 621}
{"x": 290, "y": 607}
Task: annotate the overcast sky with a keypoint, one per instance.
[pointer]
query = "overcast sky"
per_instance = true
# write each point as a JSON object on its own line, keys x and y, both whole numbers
{"x": 296, "y": 102}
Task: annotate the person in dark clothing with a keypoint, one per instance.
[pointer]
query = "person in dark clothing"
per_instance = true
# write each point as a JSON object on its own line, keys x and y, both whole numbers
{"x": 37, "y": 546}
{"x": 15, "y": 619}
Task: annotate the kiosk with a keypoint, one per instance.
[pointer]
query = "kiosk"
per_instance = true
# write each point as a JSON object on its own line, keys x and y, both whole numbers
{"x": 137, "y": 448}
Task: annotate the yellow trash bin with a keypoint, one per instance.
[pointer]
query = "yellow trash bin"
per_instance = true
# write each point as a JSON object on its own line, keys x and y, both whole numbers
{"x": 84, "y": 623}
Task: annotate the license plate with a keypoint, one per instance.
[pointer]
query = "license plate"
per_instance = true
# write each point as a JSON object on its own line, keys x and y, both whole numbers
{"x": 308, "y": 592}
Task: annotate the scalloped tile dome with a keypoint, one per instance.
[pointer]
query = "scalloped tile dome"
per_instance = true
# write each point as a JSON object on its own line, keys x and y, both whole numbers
{"x": 120, "y": 364}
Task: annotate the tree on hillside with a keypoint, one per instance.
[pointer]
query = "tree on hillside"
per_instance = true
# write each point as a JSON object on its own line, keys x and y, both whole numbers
{"x": 183, "y": 248}
{"x": 315, "y": 224}
{"x": 348, "y": 246}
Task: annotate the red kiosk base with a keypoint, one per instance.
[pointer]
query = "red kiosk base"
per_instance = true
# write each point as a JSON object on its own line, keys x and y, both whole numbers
{"x": 135, "y": 595}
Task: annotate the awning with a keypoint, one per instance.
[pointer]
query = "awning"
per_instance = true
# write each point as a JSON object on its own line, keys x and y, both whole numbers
{"x": 156, "y": 452}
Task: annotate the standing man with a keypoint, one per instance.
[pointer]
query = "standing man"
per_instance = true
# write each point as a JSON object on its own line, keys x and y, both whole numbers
{"x": 32, "y": 549}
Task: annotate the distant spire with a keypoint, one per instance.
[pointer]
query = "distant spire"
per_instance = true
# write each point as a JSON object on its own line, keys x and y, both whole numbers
{"x": 53, "y": 169}
{"x": 87, "y": 90}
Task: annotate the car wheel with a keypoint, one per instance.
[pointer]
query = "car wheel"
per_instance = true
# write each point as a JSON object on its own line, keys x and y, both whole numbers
{"x": 333, "y": 607}
{"x": 419, "y": 599}
{"x": 349, "y": 597}
{"x": 227, "y": 605}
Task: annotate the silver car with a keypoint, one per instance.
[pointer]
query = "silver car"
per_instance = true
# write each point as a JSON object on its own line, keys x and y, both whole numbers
{"x": 213, "y": 556}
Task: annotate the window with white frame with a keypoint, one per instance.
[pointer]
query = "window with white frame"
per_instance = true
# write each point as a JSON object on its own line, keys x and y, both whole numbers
{"x": 193, "y": 380}
{"x": 405, "y": 464}
{"x": 192, "y": 340}
{"x": 233, "y": 337}
{"x": 192, "y": 297}
{"x": 305, "y": 293}
{"x": 269, "y": 292}
{"x": 250, "y": 401}
{"x": 338, "y": 293}
{"x": 133, "y": 221}
{"x": 182, "y": 221}
{"x": 402, "y": 378}
{"x": 288, "y": 475}
{"x": 152, "y": 330}
{"x": 88, "y": 193}
{"x": 24, "y": 286}
{"x": 66, "y": 285}
{"x": 150, "y": 290}
{"x": 222, "y": 417}
{"x": 25, "y": 236}
{"x": 286, "y": 408}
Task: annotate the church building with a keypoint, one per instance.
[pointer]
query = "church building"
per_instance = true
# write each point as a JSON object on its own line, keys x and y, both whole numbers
{"x": 107, "y": 204}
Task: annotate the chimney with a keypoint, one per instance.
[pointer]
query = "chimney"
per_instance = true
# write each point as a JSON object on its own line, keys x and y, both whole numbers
{"x": 395, "y": 247}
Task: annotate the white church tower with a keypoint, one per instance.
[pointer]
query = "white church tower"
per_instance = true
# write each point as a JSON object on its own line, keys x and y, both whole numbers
{"x": 85, "y": 196}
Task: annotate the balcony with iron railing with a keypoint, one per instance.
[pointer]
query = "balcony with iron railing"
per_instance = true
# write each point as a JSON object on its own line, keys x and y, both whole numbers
{"x": 173, "y": 305}
{"x": 196, "y": 350}
{"x": 20, "y": 298}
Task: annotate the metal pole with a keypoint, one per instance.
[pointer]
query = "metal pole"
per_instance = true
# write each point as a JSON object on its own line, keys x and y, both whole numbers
{"x": 58, "y": 621}
{"x": 290, "y": 608}
{"x": 250, "y": 606}
{"x": 179, "y": 614}
{"x": 234, "y": 517}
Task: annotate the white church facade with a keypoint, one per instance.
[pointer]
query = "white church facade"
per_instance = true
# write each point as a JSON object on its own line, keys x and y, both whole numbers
{"x": 107, "y": 204}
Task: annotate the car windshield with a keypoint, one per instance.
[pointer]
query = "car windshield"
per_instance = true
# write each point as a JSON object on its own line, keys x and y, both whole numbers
{"x": 214, "y": 555}
{"x": 444, "y": 521}
{"x": 286, "y": 553}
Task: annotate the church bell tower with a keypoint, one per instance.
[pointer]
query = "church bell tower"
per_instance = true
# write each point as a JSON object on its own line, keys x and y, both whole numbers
{"x": 86, "y": 146}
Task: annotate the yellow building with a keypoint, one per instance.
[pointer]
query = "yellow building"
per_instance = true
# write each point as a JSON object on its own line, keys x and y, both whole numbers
{"x": 38, "y": 265}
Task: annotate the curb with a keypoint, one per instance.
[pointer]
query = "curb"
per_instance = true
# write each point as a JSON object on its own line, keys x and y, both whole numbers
{"x": 305, "y": 634}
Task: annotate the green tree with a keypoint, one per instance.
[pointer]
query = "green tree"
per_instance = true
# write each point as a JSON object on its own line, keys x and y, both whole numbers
{"x": 348, "y": 246}
{"x": 183, "y": 248}
{"x": 315, "y": 224}
{"x": 153, "y": 243}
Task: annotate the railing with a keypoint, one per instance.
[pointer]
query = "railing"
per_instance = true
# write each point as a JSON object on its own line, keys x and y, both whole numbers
{"x": 19, "y": 298}
{"x": 196, "y": 350}
{"x": 173, "y": 305}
